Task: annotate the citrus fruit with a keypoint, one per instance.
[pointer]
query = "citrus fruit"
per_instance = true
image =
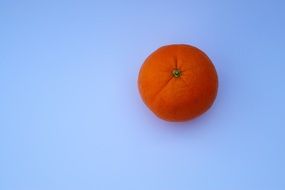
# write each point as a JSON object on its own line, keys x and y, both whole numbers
{"x": 178, "y": 82}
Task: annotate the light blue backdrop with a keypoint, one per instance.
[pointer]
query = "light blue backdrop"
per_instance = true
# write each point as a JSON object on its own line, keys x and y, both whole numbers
{"x": 71, "y": 116}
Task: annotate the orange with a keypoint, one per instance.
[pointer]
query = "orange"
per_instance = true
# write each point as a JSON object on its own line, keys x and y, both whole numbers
{"x": 178, "y": 82}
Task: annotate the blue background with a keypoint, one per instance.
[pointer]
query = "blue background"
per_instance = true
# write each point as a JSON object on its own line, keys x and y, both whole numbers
{"x": 71, "y": 116}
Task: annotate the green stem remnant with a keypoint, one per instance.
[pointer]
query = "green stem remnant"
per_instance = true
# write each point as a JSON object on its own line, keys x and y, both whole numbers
{"x": 176, "y": 73}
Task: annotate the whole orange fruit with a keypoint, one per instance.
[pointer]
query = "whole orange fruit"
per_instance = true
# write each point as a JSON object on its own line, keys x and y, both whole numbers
{"x": 178, "y": 82}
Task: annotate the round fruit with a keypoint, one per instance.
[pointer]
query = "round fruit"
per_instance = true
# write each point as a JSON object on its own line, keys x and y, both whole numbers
{"x": 178, "y": 82}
